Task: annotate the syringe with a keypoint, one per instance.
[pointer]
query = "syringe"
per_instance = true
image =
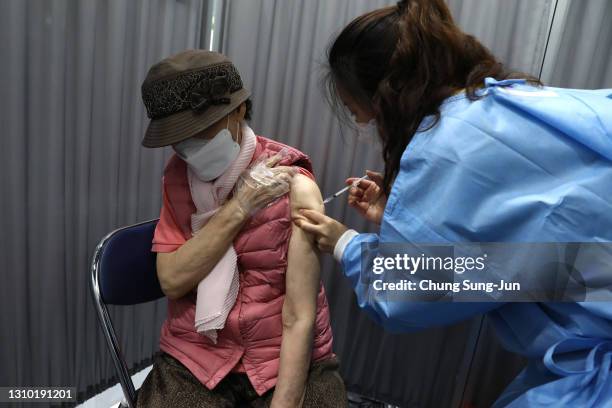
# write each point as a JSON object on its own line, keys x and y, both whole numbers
{"x": 345, "y": 189}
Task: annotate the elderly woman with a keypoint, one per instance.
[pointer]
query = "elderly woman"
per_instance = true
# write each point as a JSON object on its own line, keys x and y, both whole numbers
{"x": 248, "y": 321}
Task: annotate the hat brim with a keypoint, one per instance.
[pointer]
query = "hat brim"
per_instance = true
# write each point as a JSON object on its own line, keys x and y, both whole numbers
{"x": 183, "y": 125}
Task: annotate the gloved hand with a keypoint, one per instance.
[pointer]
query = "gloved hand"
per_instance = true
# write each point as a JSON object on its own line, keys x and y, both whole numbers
{"x": 368, "y": 196}
{"x": 263, "y": 183}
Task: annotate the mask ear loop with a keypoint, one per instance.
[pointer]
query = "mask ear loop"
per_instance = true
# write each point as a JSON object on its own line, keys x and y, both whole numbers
{"x": 227, "y": 127}
{"x": 237, "y": 127}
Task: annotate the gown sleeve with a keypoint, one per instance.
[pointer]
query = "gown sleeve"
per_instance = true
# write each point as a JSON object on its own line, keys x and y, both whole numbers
{"x": 521, "y": 164}
{"x": 402, "y": 316}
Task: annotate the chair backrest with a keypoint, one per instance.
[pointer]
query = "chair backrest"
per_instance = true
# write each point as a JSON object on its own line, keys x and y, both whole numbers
{"x": 126, "y": 266}
{"x": 123, "y": 273}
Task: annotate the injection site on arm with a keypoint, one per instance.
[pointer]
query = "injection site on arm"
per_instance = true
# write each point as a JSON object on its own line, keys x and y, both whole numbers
{"x": 302, "y": 284}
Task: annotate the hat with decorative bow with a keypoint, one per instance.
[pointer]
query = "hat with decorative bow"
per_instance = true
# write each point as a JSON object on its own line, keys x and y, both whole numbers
{"x": 186, "y": 93}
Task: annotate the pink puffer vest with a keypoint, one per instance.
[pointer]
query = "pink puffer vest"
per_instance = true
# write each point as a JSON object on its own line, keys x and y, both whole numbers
{"x": 253, "y": 329}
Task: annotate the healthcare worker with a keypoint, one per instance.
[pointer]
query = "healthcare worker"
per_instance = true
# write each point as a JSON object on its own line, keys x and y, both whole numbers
{"x": 474, "y": 153}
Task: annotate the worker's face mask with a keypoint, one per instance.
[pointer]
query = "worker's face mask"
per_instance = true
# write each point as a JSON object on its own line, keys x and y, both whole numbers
{"x": 365, "y": 131}
{"x": 209, "y": 158}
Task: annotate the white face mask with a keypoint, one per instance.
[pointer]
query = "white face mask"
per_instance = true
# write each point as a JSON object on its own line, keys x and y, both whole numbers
{"x": 367, "y": 132}
{"x": 209, "y": 158}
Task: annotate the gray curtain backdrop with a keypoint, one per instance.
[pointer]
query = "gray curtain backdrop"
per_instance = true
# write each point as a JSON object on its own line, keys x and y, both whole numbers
{"x": 72, "y": 169}
{"x": 515, "y": 30}
{"x": 279, "y": 48}
{"x": 580, "y": 53}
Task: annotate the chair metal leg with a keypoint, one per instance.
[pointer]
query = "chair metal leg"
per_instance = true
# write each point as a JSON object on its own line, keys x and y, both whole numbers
{"x": 109, "y": 332}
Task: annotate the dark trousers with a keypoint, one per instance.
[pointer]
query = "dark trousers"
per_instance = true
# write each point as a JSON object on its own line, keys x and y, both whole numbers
{"x": 172, "y": 385}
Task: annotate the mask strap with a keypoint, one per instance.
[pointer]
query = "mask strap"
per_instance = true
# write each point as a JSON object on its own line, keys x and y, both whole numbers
{"x": 237, "y": 127}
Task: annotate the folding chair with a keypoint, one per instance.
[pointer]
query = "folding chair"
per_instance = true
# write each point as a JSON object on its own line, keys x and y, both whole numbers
{"x": 123, "y": 273}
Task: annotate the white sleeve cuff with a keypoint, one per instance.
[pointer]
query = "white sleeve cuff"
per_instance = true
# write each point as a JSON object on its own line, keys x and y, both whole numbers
{"x": 342, "y": 243}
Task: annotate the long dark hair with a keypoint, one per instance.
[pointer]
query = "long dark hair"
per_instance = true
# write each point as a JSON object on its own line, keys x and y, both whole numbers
{"x": 401, "y": 62}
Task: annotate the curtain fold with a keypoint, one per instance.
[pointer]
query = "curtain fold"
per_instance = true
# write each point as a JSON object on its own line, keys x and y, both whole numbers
{"x": 514, "y": 30}
{"x": 73, "y": 169}
{"x": 583, "y": 56}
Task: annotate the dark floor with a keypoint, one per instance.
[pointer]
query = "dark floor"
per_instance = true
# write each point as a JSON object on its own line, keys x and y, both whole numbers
{"x": 359, "y": 401}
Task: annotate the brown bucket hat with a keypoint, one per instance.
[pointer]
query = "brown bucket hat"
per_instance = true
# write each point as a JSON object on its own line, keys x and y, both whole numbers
{"x": 188, "y": 92}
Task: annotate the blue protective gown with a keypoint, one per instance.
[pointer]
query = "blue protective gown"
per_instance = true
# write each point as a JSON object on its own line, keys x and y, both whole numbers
{"x": 522, "y": 164}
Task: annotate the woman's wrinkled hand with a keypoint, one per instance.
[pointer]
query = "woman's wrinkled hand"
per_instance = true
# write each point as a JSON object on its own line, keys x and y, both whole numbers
{"x": 368, "y": 196}
{"x": 261, "y": 184}
{"x": 325, "y": 229}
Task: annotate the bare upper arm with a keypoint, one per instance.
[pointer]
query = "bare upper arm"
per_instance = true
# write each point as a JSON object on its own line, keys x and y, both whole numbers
{"x": 303, "y": 270}
{"x": 305, "y": 194}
